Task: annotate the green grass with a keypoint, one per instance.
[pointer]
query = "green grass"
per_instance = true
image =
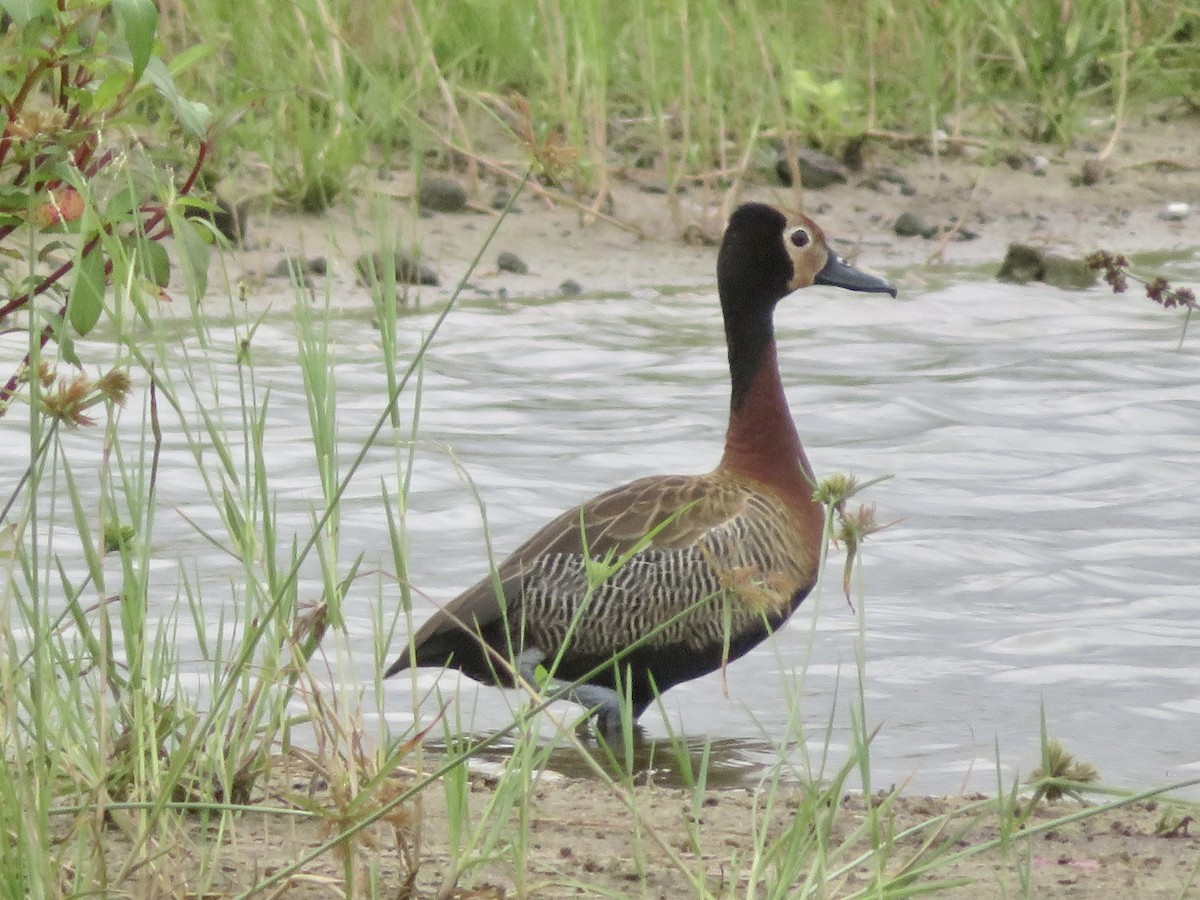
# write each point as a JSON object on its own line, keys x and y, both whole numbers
{"x": 690, "y": 87}
{"x": 110, "y": 755}
{"x": 114, "y": 749}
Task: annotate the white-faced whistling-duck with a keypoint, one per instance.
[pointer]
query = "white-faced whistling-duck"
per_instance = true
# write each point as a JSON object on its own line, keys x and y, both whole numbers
{"x": 713, "y": 563}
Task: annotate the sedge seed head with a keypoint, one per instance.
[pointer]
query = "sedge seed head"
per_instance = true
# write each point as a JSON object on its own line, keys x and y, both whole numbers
{"x": 115, "y": 386}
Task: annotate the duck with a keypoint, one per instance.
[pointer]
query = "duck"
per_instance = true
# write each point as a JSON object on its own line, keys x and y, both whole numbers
{"x": 671, "y": 577}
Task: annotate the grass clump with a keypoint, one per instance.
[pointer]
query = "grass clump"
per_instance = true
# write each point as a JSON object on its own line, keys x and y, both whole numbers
{"x": 691, "y": 89}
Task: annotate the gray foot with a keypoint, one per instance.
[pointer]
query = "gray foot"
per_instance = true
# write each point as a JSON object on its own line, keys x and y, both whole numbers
{"x": 604, "y": 703}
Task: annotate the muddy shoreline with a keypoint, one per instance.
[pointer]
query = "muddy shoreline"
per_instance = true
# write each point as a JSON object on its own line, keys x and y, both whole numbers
{"x": 582, "y": 832}
{"x": 1037, "y": 196}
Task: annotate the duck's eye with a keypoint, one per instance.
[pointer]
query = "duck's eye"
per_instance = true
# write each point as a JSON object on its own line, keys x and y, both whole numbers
{"x": 799, "y": 237}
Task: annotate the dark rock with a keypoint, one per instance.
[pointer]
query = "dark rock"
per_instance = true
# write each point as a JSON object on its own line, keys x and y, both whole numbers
{"x": 438, "y": 194}
{"x": 314, "y": 265}
{"x": 657, "y": 187}
{"x": 1024, "y": 263}
{"x": 909, "y": 224}
{"x": 894, "y": 176}
{"x": 883, "y": 180}
{"x": 570, "y": 288}
{"x": 1093, "y": 171}
{"x": 647, "y": 159}
{"x": 407, "y": 269}
{"x": 501, "y": 198}
{"x": 855, "y": 155}
{"x": 817, "y": 169}
{"x": 510, "y": 262}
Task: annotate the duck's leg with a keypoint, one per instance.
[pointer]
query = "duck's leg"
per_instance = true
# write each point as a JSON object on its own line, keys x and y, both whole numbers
{"x": 603, "y": 702}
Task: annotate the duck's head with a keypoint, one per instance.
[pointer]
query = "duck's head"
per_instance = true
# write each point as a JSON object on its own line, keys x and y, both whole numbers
{"x": 765, "y": 255}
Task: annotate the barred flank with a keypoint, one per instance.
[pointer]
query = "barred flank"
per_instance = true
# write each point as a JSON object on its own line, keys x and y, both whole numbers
{"x": 734, "y": 574}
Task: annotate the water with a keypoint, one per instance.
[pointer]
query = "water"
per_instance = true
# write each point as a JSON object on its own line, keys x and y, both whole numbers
{"x": 1043, "y": 451}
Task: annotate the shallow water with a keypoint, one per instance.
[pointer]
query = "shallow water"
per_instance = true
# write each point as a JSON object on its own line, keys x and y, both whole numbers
{"x": 1043, "y": 451}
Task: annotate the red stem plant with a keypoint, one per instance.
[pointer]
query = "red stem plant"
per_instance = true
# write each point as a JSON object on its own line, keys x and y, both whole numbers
{"x": 76, "y": 79}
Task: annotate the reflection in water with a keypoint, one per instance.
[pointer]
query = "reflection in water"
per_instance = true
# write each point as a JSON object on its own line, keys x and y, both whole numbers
{"x": 1043, "y": 450}
{"x": 680, "y": 762}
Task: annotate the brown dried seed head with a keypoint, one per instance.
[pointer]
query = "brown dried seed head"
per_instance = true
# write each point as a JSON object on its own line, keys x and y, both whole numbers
{"x": 68, "y": 401}
{"x": 33, "y": 122}
{"x": 115, "y": 386}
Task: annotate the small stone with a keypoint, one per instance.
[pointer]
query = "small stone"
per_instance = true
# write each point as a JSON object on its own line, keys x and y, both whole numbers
{"x": 510, "y": 262}
{"x": 1092, "y": 171}
{"x": 894, "y": 176}
{"x": 407, "y": 269}
{"x": 909, "y": 224}
{"x": 501, "y": 198}
{"x": 657, "y": 186}
{"x": 1039, "y": 165}
{"x": 438, "y": 194}
{"x": 855, "y": 154}
{"x": 570, "y": 288}
{"x": 1175, "y": 212}
{"x": 817, "y": 170}
{"x": 1022, "y": 264}
{"x": 315, "y": 265}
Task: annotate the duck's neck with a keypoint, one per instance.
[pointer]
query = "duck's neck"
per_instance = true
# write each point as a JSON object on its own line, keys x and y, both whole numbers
{"x": 762, "y": 443}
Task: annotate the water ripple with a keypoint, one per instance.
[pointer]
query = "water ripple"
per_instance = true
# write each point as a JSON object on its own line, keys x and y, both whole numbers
{"x": 1042, "y": 448}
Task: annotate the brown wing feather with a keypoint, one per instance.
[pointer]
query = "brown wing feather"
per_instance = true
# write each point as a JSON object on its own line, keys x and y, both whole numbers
{"x": 614, "y": 522}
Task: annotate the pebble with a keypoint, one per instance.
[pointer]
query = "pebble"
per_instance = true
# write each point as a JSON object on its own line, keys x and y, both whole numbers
{"x": 407, "y": 269}
{"x": 1175, "y": 212}
{"x": 909, "y": 224}
{"x": 1039, "y": 165}
{"x": 817, "y": 169}
{"x": 437, "y": 194}
{"x": 510, "y": 262}
{"x": 501, "y": 198}
{"x": 314, "y": 265}
{"x": 1092, "y": 171}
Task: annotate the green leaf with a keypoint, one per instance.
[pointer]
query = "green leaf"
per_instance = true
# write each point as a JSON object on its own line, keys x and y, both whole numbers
{"x": 153, "y": 263}
{"x": 109, "y": 90}
{"x": 138, "y": 20}
{"x": 58, "y": 327}
{"x": 192, "y": 115}
{"x": 194, "y": 252}
{"x": 87, "y": 293}
{"x": 120, "y": 208}
{"x": 22, "y": 12}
